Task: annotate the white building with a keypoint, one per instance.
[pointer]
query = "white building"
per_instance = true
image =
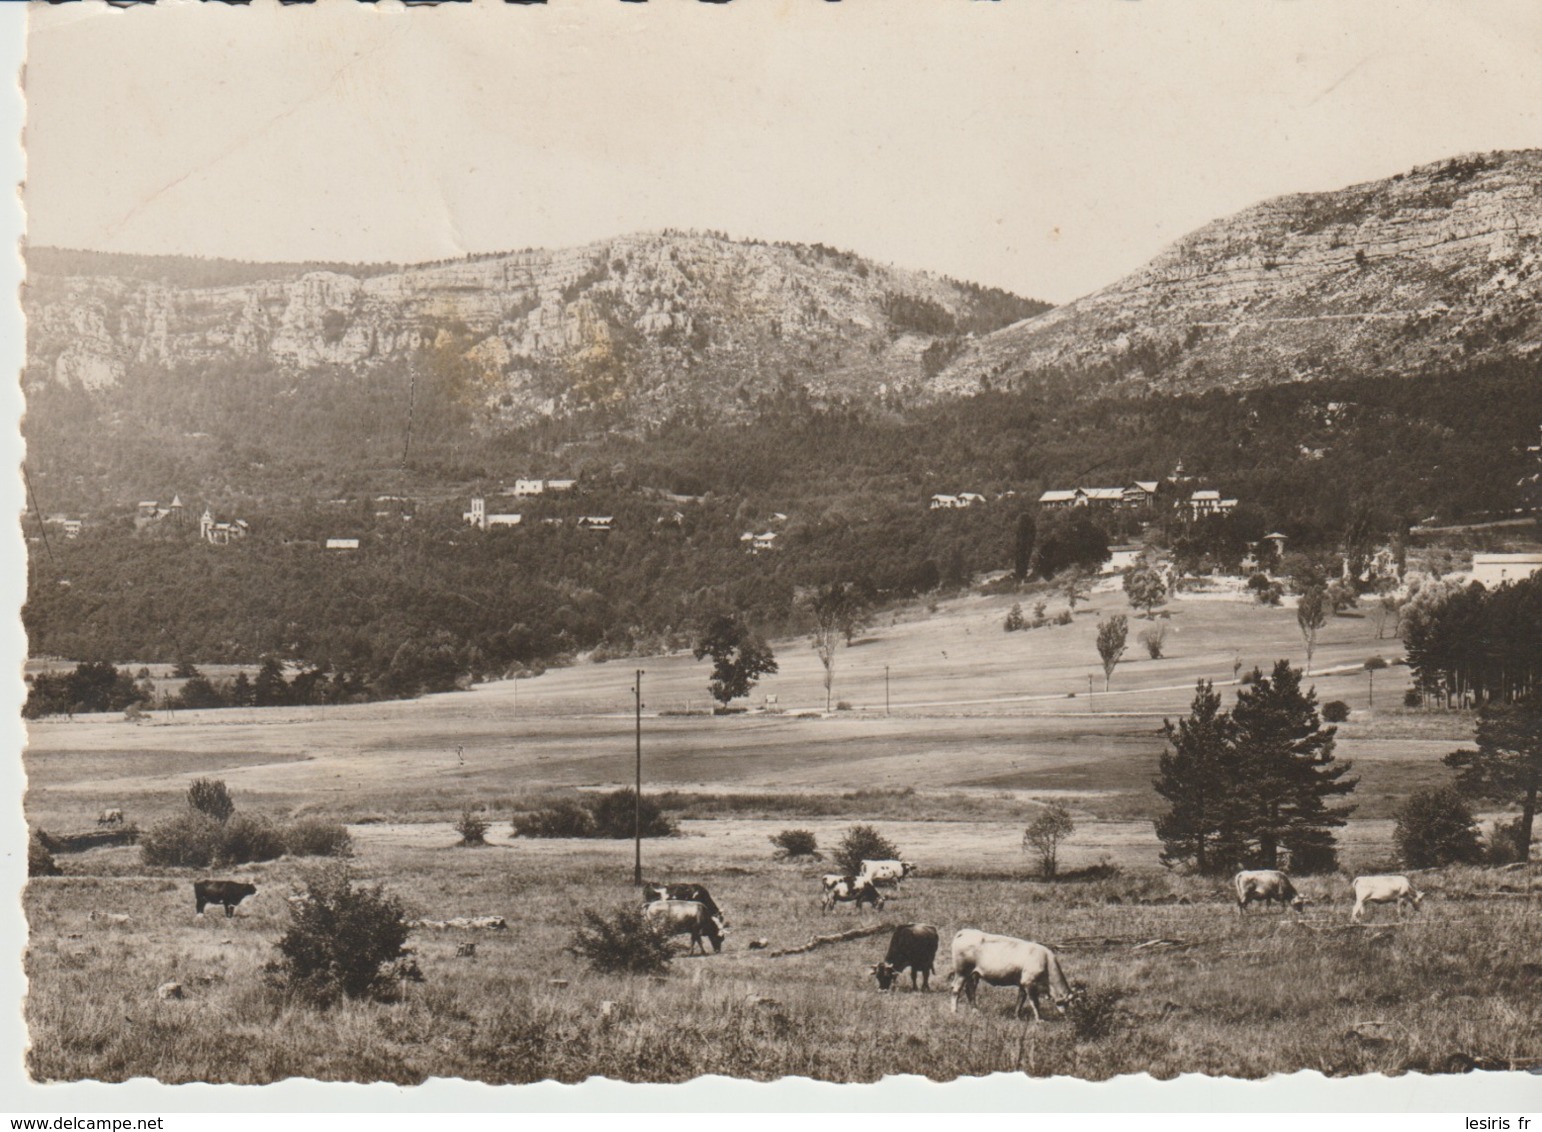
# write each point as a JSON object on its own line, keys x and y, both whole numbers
{"x": 342, "y": 544}
{"x": 1496, "y": 569}
{"x": 481, "y": 520}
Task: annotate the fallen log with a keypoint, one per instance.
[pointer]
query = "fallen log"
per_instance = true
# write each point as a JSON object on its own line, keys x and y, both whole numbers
{"x": 90, "y": 839}
{"x": 822, "y": 940}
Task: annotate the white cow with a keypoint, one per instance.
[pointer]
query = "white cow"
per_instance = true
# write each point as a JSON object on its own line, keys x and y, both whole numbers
{"x": 1003, "y": 961}
{"x": 1268, "y": 886}
{"x": 887, "y": 873}
{"x": 1397, "y": 890}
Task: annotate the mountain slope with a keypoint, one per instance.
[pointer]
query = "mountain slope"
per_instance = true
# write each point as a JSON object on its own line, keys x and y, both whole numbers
{"x": 648, "y": 323}
{"x": 1438, "y": 268}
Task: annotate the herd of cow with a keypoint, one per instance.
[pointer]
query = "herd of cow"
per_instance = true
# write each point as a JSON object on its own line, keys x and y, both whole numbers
{"x": 1002, "y": 961}
{"x": 687, "y": 908}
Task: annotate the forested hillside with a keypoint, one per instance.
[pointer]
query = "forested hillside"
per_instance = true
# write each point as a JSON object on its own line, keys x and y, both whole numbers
{"x": 1322, "y": 462}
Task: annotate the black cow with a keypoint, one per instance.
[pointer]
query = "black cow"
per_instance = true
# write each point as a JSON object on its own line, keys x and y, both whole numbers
{"x": 226, "y": 892}
{"x": 913, "y": 946}
{"x": 687, "y": 890}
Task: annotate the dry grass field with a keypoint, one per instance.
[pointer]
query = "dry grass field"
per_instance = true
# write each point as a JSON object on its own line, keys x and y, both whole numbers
{"x": 979, "y": 726}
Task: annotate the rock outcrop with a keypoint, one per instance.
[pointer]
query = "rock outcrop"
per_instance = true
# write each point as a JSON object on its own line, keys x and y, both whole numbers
{"x": 1437, "y": 268}
{"x": 655, "y": 321}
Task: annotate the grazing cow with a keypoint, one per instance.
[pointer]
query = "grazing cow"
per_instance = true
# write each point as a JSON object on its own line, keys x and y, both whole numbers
{"x": 686, "y": 917}
{"x": 1268, "y": 886}
{"x": 226, "y": 892}
{"x": 110, "y": 817}
{"x": 652, "y": 893}
{"x": 1397, "y": 890}
{"x": 913, "y": 946}
{"x": 886, "y": 873}
{"x": 1003, "y": 961}
{"x": 856, "y": 890}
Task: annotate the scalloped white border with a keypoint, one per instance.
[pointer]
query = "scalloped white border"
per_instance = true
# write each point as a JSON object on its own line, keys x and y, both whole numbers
{"x": 1300, "y": 1092}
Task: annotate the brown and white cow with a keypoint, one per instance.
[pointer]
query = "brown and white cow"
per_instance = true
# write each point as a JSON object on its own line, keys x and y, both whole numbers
{"x": 686, "y": 917}
{"x": 856, "y": 890}
{"x": 1267, "y": 886}
{"x": 685, "y": 890}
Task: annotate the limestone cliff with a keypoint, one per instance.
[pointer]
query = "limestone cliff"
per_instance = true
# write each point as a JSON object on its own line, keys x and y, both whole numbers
{"x": 1438, "y": 268}
{"x": 654, "y": 322}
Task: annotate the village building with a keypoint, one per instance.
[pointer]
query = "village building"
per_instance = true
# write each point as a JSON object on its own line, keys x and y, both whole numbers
{"x": 481, "y": 520}
{"x": 151, "y": 511}
{"x": 220, "y": 532}
{"x": 595, "y": 522}
{"x": 342, "y": 544}
{"x": 1207, "y": 502}
{"x": 948, "y": 502}
{"x": 1495, "y": 570}
{"x": 755, "y": 543}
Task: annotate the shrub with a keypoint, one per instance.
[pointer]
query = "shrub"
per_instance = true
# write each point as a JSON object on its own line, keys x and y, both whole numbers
{"x": 243, "y": 839}
{"x": 41, "y": 863}
{"x": 1504, "y": 844}
{"x": 1434, "y": 828}
{"x": 209, "y": 796}
{"x": 1014, "y": 621}
{"x": 1064, "y": 617}
{"x": 795, "y": 843}
{"x": 1154, "y": 638}
{"x": 194, "y": 840}
{"x": 564, "y": 818}
{"x": 1265, "y": 590}
{"x": 863, "y": 843}
{"x": 603, "y": 815}
{"x": 314, "y": 837}
{"x": 1094, "y": 1014}
{"x": 190, "y": 840}
{"x": 1412, "y": 698}
{"x": 1044, "y": 835}
{"x": 842, "y": 705}
{"x": 472, "y": 828}
{"x": 1335, "y": 711}
{"x": 626, "y": 941}
{"x": 343, "y": 941}
{"x": 614, "y": 816}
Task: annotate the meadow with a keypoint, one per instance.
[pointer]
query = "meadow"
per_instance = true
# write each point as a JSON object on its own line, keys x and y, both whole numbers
{"x": 980, "y": 726}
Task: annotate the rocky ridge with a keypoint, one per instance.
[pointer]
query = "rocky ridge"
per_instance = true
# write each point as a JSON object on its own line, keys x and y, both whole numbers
{"x": 1437, "y": 268}
{"x": 654, "y": 321}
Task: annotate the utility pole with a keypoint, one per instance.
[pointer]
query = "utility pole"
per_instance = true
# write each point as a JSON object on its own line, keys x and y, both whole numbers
{"x": 886, "y": 689}
{"x": 637, "y": 795}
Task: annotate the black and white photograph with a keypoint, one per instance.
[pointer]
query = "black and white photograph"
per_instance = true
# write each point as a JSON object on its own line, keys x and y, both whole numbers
{"x": 781, "y": 539}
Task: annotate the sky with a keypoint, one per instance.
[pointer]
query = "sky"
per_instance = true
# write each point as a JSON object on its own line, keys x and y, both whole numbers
{"x": 1044, "y": 147}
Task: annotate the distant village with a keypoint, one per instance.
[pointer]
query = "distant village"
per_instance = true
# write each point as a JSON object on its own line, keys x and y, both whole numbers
{"x": 1176, "y": 492}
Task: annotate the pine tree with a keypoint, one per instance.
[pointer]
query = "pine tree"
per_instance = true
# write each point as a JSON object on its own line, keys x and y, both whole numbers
{"x": 1199, "y": 777}
{"x": 1507, "y": 765}
{"x": 1288, "y": 771}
